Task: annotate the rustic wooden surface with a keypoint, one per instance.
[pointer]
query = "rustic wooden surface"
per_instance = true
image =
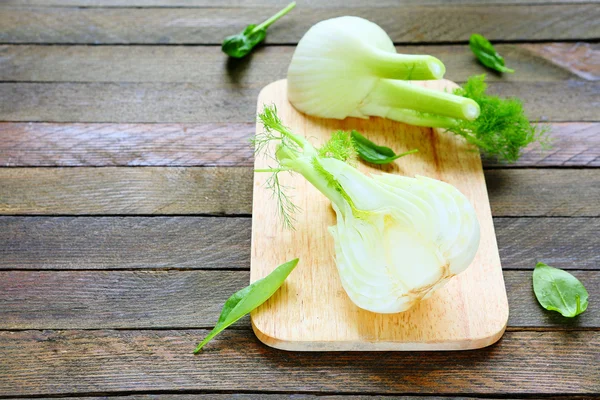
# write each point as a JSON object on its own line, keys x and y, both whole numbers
{"x": 109, "y": 276}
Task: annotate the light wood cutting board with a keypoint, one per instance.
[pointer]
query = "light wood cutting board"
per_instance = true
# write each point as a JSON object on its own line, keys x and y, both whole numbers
{"x": 311, "y": 311}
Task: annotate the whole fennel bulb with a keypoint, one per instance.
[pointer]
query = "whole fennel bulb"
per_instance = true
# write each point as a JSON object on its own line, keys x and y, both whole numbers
{"x": 348, "y": 67}
{"x": 397, "y": 239}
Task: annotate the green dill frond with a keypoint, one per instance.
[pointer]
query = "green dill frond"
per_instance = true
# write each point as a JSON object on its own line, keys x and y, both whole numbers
{"x": 274, "y": 129}
{"x": 261, "y": 141}
{"x": 502, "y": 129}
{"x": 286, "y": 209}
{"x": 339, "y": 146}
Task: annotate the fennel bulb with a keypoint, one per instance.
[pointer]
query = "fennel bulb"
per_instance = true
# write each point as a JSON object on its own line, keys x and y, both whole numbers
{"x": 348, "y": 67}
{"x": 397, "y": 239}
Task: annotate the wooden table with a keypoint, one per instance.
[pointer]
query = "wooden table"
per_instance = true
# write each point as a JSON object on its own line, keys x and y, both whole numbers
{"x": 126, "y": 188}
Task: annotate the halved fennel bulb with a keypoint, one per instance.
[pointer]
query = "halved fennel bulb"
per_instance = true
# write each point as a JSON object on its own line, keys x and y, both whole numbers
{"x": 348, "y": 67}
{"x": 407, "y": 241}
{"x": 397, "y": 239}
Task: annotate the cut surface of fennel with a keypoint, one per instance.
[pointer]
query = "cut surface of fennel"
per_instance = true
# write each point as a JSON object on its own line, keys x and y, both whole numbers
{"x": 397, "y": 239}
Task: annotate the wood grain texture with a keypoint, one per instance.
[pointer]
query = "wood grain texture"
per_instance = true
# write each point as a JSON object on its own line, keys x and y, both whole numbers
{"x": 58, "y": 362}
{"x": 215, "y": 191}
{"x": 34, "y": 63}
{"x": 200, "y": 103}
{"x": 60, "y": 144}
{"x": 264, "y": 3}
{"x": 573, "y": 145}
{"x": 294, "y": 396}
{"x": 193, "y": 299}
{"x": 311, "y": 311}
{"x": 124, "y": 243}
{"x": 407, "y": 24}
{"x": 66, "y": 243}
{"x": 28, "y": 144}
{"x": 525, "y": 241}
{"x": 228, "y": 191}
{"x": 540, "y": 192}
{"x": 582, "y": 59}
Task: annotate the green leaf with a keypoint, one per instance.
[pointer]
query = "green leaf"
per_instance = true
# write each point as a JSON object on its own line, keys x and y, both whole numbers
{"x": 373, "y": 153}
{"x": 558, "y": 290}
{"x": 249, "y": 298}
{"x": 486, "y": 53}
{"x": 239, "y": 45}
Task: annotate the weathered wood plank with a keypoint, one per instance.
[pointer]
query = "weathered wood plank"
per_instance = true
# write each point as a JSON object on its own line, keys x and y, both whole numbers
{"x": 66, "y": 243}
{"x": 60, "y": 144}
{"x": 59, "y": 362}
{"x": 125, "y": 243}
{"x": 208, "y": 64}
{"x": 568, "y": 243}
{"x": 407, "y": 24}
{"x": 266, "y": 3}
{"x": 193, "y": 299}
{"x": 25, "y": 144}
{"x": 544, "y": 192}
{"x": 201, "y": 102}
{"x": 126, "y": 191}
{"x": 573, "y": 145}
{"x": 579, "y": 58}
{"x": 293, "y": 396}
{"x": 191, "y": 190}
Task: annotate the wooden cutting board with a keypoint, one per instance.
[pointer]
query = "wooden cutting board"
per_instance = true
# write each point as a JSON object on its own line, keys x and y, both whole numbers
{"x": 311, "y": 311}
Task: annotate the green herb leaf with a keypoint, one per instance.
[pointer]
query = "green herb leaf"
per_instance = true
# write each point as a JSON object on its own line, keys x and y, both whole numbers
{"x": 486, "y": 54}
{"x": 249, "y": 298}
{"x": 558, "y": 290}
{"x": 373, "y": 153}
{"x": 502, "y": 128}
{"x": 239, "y": 45}
{"x": 340, "y": 146}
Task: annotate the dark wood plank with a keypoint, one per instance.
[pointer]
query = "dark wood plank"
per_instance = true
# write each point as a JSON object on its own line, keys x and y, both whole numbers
{"x": 65, "y": 144}
{"x": 573, "y": 101}
{"x": 573, "y": 145}
{"x": 407, "y": 24}
{"x": 292, "y": 396}
{"x": 215, "y": 191}
{"x": 568, "y": 243}
{"x": 193, "y": 299}
{"x": 208, "y": 64}
{"x": 59, "y": 362}
{"x": 125, "y": 243}
{"x": 25, "y": 144}
{"x": 228, "y": 191}
{"x": 67, "y": 243}
{"x": 579, "y": 58}
{"x": 265, "y": 3}
{"x": 542, "y": 192}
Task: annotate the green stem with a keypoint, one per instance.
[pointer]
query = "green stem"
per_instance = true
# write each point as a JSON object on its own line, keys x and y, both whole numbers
{"x": 304, "y": 166}
{"x": 271, "y": 170}
{"x": 404, "y": 95}
{"x": 385, "y": 64}
{"x": 416, "y": 118}
{"x": 275, "y": 17}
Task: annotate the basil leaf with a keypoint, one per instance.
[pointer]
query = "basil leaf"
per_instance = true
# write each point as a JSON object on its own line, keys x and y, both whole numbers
{"x": 558, "y": 290}
{"x": 249, "y": 298}
{"x": 239, "y": 45}
{"x": 486, "y": 53}
{"x": 370, "y": 152}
